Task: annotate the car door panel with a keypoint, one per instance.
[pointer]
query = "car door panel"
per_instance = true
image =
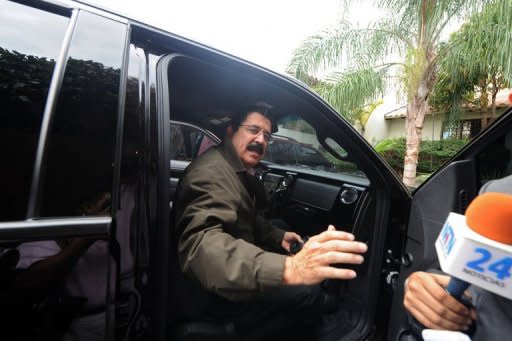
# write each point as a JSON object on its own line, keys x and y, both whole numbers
{"x": 454, "y": 187}
{"x": 451, "y": 189}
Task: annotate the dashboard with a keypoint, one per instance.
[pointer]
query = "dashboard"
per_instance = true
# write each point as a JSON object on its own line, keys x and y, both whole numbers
{"x": 308, "y": 202}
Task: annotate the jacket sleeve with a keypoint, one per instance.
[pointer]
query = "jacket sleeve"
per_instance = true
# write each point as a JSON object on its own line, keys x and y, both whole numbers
{"x": 230, "y": 267}
{"x": 269, "y": 235}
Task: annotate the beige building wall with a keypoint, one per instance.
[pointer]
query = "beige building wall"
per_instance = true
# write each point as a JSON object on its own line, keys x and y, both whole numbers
{"x": 394, "y": 128}
{"x": 378, "y": 128}
{"x": 432, "y": 128}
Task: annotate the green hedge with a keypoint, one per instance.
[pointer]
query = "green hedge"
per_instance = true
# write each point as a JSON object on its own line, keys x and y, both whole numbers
{"x": 432, "y": 153}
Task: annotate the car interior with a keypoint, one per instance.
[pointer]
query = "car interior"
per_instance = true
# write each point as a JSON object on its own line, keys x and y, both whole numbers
{"x": 349, "y": 193}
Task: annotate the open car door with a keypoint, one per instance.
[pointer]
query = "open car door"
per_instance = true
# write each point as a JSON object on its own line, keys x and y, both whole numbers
{"x": 450, "y": 189}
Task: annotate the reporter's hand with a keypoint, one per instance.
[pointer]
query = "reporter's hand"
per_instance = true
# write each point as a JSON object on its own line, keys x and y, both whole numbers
{"x": 313, "y": 263}
{"x": 427, "y": 300}
{"x": 289, "y": 238}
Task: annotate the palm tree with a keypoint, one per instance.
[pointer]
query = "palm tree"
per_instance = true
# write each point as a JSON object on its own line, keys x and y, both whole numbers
{"x": 473, "y": 64}
{"x": 406, "y": 45}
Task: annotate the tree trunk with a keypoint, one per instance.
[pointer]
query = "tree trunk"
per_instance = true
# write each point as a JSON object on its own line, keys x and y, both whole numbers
{"x": 418, "y": 93}
{"x": 484, "y": 104}
{"x": 493, "y": 107}
{"x": 484, "y": 120}
{"x": 494, "y": 93}
{"x": 417, "y": 109}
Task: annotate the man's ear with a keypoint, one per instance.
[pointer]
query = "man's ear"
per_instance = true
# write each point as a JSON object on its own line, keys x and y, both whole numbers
{"x": 229, "y": 131}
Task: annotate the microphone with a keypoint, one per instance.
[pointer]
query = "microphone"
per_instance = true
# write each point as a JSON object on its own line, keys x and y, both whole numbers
{"x": 477, "y": 248}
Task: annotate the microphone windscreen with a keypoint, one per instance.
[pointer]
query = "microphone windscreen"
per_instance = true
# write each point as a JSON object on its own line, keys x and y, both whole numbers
{"x": 490, "y": 215}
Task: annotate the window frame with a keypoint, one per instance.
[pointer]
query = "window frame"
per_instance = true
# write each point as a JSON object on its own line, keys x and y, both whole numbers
{"x": 204, "y": 131}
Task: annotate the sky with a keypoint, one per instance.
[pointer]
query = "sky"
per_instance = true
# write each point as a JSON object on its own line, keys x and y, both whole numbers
{"x": 264, "y": 32}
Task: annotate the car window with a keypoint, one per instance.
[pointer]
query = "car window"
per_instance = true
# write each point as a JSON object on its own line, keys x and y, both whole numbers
{"x": 281, "y": 151}
{"x": 296, "y": 144}
{"x": 30, "y": 41}
{"x": 188, "y": 142}
{"x": 312, "y": 157}
{"x": 495, "y": 161}
{"x": 80, "y": 149}
{"x": 56, "y": 276}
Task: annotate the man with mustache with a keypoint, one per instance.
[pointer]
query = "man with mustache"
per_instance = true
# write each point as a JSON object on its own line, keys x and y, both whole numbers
{"x": 230, "y": 253}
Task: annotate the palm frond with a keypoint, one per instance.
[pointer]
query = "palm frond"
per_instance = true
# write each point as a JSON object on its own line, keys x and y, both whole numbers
{"x": 346, "y": 46}
{"x": 351, "y": 90}
{"x": 318, "y": 51}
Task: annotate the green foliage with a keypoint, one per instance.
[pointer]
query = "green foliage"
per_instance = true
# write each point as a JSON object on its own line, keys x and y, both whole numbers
{"x": 362, "y": 115}
{"x": 361, "y": 60}
{"x": 433, "y": 153}
{"x": 338, "y": 90}
{"x": 406, "y": 43}
{"x": 340, "y": 165}
{"x": 449, "y": 96}
{"x": 471, "y": 59}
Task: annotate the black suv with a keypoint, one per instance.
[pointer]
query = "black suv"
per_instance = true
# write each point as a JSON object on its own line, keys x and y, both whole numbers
{"x": 88, "y": 101}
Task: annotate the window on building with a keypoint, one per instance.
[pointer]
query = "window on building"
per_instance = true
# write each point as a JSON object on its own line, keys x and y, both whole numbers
{"x": 462, "y": 129}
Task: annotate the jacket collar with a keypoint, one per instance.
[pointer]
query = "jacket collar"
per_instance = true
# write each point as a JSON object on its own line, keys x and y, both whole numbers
{"x": 228, "y": 151}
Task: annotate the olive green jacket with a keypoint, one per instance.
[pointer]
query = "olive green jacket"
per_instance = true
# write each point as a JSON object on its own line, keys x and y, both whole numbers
{"x": 223, "y": 238}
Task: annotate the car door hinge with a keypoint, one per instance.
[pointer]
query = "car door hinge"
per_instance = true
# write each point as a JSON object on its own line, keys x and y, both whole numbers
{"x": 392, "y": 266}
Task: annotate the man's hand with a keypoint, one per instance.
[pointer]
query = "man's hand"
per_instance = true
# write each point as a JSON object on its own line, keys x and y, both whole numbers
{"x": 427, "y": 300}
{"x": 313, "y": 263}
{"x": 289, "y": 238}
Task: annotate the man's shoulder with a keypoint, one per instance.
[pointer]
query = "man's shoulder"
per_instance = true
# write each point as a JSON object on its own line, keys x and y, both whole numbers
{"x": 503, "y": 185}
{"x": 212, "y": 157}
{"x": 208, "y": 164}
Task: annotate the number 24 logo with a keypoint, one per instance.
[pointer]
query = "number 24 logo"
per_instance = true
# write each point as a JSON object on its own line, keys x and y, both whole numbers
{"x": 501, "y": 267}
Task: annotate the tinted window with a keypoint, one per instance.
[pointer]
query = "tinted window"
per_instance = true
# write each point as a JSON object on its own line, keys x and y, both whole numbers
{"x": 495, "y": 161}
{"x": 312, "y": 157}
{"x": 30, "y": 41}
{"x": 188, "y": 142}
{"x": 61, "y": 288}
{"x": 80, "y": 154}
{"x": 282, "y": 151}
{"x": 296, "y": 144}
{"x": 291, "y": 152}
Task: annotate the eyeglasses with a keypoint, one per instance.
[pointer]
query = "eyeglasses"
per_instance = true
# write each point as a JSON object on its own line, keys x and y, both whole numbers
{"x": 256, "y": 130}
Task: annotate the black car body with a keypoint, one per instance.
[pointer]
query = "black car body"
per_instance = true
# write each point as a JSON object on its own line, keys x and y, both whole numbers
{"x": 88, "y": 99}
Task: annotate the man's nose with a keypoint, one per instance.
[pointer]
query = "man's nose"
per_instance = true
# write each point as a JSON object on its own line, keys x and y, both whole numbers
{"x": 260, "y": 138}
